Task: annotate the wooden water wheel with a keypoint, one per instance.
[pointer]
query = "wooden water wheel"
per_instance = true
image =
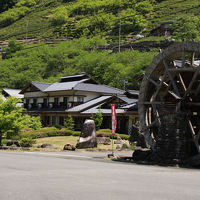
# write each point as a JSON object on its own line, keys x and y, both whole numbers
{"x": 169, "y": 100}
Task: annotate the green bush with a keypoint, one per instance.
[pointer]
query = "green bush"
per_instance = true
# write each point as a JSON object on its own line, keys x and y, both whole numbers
{"x": 4, "y": 142}
{"x": 26, "y": 142}
{"x": 47, "y": 132}
{"x": 107, "y": 133}
{"x": 76, "y": 133}
{"x": 58, "y": 126}
{"x": 28, "y": 133}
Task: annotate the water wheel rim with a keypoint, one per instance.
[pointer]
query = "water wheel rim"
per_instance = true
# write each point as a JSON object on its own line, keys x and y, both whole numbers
{"x": 155, "y": 77}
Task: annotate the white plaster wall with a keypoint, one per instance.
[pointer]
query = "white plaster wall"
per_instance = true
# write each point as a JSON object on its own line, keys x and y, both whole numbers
{"x": 34, "y": 94}
{"x": 87, "y": 95}
{"x": 40, "y": 100}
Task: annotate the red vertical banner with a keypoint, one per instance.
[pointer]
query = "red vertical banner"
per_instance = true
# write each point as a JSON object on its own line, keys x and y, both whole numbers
{"x": 114, "y": 120}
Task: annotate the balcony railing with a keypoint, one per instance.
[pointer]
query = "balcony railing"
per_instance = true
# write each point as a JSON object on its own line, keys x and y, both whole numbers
{"x": 52, "y": 105}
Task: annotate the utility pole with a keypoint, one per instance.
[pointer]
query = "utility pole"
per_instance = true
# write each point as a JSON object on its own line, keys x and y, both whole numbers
{"x": 125, "y": 83}
{"x": 119, "y": 32}
{"x": 26, "y": 30}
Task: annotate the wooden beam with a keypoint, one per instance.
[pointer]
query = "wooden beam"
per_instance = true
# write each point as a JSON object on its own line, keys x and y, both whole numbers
{"x": 182, "y": 69}
{"x": 151, "y": 103}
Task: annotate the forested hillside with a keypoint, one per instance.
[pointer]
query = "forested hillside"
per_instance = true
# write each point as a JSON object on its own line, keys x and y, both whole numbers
{"x": 61, "y": 37}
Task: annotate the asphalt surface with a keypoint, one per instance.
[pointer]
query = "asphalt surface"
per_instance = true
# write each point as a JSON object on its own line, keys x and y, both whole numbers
{"x": 59, "y": 176}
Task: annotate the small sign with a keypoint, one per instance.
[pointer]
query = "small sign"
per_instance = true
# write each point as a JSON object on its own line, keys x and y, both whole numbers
{"x": 114, "y": 120}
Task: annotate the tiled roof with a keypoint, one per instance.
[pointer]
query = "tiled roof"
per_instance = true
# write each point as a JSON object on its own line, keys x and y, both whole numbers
{"x": 13, "y": 93}
{"x": 127, "y": 100}
{"x": 41, "y": 86}
{"x": 74, "y": 76}
{"x": 133, "y": 92}
{"x": 95, "y": 110}
{"x": 89, "y": 104}
{"x": 133, "y": 105}
{"x": 61, "y": 86}
{"x": 98, "y": 88}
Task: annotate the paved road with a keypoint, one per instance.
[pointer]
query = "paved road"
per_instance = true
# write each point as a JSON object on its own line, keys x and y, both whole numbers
{"x": 66, "y": 176}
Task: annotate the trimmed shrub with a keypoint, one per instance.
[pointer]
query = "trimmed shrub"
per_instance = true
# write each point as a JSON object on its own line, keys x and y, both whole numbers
{"x": 26, "y": 142}
{"x": 76, "y": 133}
{"x": 107, "y": 133}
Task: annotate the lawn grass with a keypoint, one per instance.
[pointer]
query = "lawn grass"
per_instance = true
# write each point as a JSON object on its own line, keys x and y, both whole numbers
{"x": 60, "y": 141}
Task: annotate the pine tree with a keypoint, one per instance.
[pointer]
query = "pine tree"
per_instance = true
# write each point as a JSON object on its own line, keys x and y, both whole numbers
{"x": 69, "y": 123}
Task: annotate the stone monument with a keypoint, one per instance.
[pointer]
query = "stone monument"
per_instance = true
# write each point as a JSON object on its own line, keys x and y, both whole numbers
{"x": 88, "y": 135}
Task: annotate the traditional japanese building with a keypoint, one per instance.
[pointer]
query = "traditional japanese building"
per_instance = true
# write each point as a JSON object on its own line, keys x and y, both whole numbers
{"x": 81, "y": 97}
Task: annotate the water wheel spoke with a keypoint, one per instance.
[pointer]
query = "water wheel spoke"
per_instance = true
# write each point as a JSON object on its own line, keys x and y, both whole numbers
{"x": 159, "y": 87}
{"x": 192, "y": 82}
{"x": 174, "y": 95}
{"x": 151, "y": 80}
{"x": 171, "y": 78}
{"x": 193, "y": 135}
{"x": 182, "y": 82}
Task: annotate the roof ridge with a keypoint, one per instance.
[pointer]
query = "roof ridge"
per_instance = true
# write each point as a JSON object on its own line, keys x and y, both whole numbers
{"x": 113, "y": 88}
{"x": 40, "y": 82}
{"x": 10, "y": 89}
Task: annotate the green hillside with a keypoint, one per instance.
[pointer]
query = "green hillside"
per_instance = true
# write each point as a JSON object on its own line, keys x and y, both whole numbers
{"x": 68, "y": 19}
{"x": 62, "y": 37}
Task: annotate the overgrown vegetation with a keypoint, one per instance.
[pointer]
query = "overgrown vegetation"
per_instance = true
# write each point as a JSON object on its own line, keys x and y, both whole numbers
{"x": 45, "y": 63}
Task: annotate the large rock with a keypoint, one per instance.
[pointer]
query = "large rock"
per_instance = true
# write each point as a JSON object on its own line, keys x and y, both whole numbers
{"x": 118, "y": 141}
{"x": 46, "y": 145}
{"x": 88, "y": 135}
{"x": 13, "y": 142}
{"x": 69, "y": 147}
{"x": 103, "y": 140}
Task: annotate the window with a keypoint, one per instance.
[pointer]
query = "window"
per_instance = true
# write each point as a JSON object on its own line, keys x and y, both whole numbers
{"x": 80, "y": 99}
{"x": 45, "y": 102}
{"x": 65, "y": 100}
{"x": 56, "y": 101}
{"x": 27, "y": 101}
{"x": 34, "y": 101}
{"x": 61, "y": 121}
